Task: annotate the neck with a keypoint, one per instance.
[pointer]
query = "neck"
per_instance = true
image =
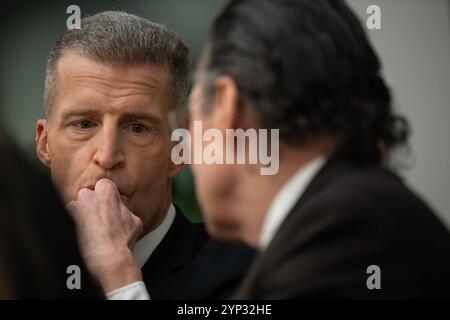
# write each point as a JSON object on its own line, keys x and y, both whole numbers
{"x": 255, "y": 192}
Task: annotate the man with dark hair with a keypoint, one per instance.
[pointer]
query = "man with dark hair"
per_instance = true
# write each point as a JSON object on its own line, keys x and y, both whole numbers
{"x": 334, "y": 222}
{"x": 110, "y": 88}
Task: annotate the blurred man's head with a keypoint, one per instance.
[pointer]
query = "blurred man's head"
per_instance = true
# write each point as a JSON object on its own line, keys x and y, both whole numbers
{"x": 109, "y": 88}
{"x": 303, "y": 67}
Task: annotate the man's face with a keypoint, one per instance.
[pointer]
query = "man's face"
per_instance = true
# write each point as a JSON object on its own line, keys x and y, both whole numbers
{"x": 205, "y": 175}
{"x": 111, "y": 121}
{"x": 214, "y": 183}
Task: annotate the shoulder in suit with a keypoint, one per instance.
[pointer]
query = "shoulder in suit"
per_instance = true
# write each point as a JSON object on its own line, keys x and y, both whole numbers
{"x": 351, "y": 217}
{"x": 188, "y": 264}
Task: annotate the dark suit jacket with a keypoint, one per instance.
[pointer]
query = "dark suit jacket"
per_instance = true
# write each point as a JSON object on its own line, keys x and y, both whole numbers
{"x": 351, "y": 217}
{"x": 187, "y": 264}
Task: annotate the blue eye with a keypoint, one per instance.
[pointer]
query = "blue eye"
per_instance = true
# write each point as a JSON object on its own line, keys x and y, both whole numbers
{"x": 84, "y": 124}
{"x": 138, "y": 128}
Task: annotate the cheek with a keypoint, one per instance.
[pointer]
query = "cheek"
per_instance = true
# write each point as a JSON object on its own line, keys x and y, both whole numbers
{"x": 67, "y": 165}
{"x": 150, "y": 177}
{"x": 212, "y": 186}
{"x": 195, "y": 114}
{"x": 151, "y": 192}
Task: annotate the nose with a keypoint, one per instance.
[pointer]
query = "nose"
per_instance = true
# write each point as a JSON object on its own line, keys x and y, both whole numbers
{"x": 109, "y": 154}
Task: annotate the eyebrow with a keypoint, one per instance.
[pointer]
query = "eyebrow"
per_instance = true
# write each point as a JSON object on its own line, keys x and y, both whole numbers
{"x": 125, "y": 116}
{"x": 141, "y": 116}
{"x": 78, "y": 113}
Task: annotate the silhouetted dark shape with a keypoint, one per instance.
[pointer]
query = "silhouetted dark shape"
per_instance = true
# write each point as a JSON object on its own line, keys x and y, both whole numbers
{"x": 37, "y": 236}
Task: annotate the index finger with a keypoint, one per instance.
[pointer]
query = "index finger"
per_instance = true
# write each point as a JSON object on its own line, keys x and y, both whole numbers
{"x": 107, "y": 188}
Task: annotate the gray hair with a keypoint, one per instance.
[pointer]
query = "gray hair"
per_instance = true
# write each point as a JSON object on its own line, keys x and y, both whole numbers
{"x": 120, "y": 38}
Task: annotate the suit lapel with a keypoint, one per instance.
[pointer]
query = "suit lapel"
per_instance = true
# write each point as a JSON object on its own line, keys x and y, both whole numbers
{"x": 333, "y": 168}
{"x": 171, "y": 255}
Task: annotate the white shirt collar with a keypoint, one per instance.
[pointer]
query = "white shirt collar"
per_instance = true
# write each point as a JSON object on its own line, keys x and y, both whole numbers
{"x": 286, "y": 198}
{"x": 146, "y": 245}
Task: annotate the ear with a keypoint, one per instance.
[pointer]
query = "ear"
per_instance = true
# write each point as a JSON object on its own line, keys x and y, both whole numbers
{"x": 225, "y": 109}
{"x": 41, "y": 142}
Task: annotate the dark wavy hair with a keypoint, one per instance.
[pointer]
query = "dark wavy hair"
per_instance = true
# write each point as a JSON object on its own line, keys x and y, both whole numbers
{"x": 307, "y": 68}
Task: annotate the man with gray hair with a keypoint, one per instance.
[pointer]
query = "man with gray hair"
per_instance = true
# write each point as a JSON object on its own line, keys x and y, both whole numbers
{"x": 110, "y": 87}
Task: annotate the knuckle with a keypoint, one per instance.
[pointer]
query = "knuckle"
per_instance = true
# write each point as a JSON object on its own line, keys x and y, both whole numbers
{"x": 70, "y": 204}
{"x": 84, "y": 193}
{"x": 107, "y": 189}
{"x": 138, "y": 222}
{"x": 71, "y": 208}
